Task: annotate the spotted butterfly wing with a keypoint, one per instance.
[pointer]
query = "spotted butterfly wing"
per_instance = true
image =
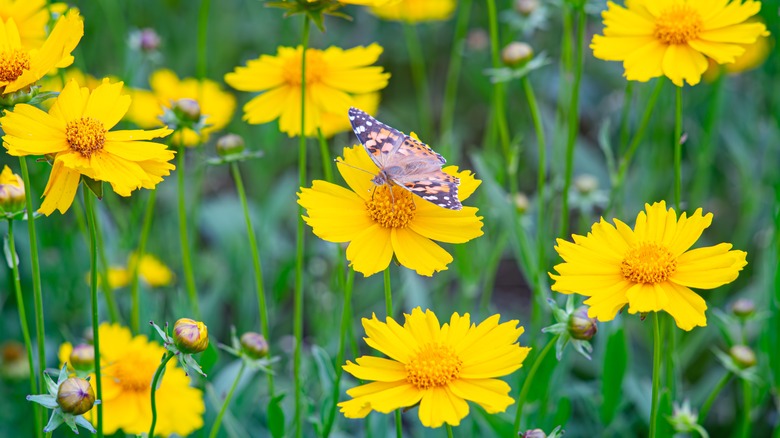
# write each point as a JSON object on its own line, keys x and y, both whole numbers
{"x": 405, "y": 161}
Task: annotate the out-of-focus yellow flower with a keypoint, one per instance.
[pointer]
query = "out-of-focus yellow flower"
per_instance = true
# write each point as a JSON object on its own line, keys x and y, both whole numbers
{"x": 118, "y": 277}
{"x": 216, "y": 105}
{"x": 755, "y": 55}
{"x": 57, "y": 82}
{"x": 414, "y": 11}
{"x": 75, "y": 132}
{"x": 21, "y": 66}
{"x": 152, "y": 270}
{"x": 333, "y": 77}
{"x": 334, "y": 123}
{"x": 31, "y": 18}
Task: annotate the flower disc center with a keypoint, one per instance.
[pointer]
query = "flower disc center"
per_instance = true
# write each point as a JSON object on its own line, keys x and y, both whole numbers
{"x": 434, "y": 365}
{"x": 13, "y": 63}
{"x": 86, "y": 135}
{"x": 678, "y": 24}
{"x": 391, "y": 206}
{"x": 648, "y": 263}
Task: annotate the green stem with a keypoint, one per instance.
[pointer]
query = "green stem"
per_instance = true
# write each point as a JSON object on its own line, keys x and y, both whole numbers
{"x": 389, "y": 312}
{"x": 449, "y": 431}
{"x": 157, "y": 376}
{"x": 499, "y": 108}
{"x": 228, "y": 397}
{"x": 258, "y": 268}
{"x": 705, "y": 157}
{"x": 203, "y": 26}
{"x": 189, "y": 277}
{"x": 23, "y": 323}
{"x": 573, "y": 125}
{"x": 705, "y": 408}
{"x": 92, "y": 224}
{"x": 528, "y": 380}
{"x": 625, "y": 116}
{"x": 656, "y": 374}
{"x": 135, "y": 308}
{"x": 419, "y": 76}
{"x": 40, "y": 334}
{"x": 678, "y": 148}
{"x": 747, "y": 407}
{"x": 446, "y": 138}
{"x": 346, "y": 315}
{"x": 541, "y": 180}
{"x": 327, "y": 163}
{"x": 299, "y": 236}
{"x": 113, "y": 312}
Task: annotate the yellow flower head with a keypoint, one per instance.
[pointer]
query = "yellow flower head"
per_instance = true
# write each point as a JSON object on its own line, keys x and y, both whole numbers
{"x": 21, "y": 66}
{"x": 650, "y": 268}
{"x": 437, "y": 366}
{"x": 380, "y": 222}
{"x": 334, "y": 123}
{"x": 128, "y": 365}
{"x": 414, "y": 11}
{"x": 755, "y": 55}
{"x": 75, "y": 131}
{"x": 333, "y": 77}
{"x": 31, "y": 18}
{"x": 216, "y": 105}
{"x": 152, "y": 270}
{"x": 118, "y": 277}
{"x": 674, "y": 38}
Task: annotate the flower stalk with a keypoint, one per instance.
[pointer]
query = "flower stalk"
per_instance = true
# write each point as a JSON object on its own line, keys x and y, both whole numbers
{"x": 92, "y": 225}
{"x": 346, "y": 319}
{"x": 446, "y": 138}
{"x": 499, "y": 108}
{"x": 135, "y": 306}
{"x": 226, "y": 402}
{"x": 186, "y": 260}
{"x": 656, "y": 375}
{"x": 527, "y": 383}
{"x": 155, "y": 384}
{"x": 419, "y": 77}
{"x": 389, "y": 312}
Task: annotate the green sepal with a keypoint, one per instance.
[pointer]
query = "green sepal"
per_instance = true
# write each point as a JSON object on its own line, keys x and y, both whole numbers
{"x": 94, "y": 186}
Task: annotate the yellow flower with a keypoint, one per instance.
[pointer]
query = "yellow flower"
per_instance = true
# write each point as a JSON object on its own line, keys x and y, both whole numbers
{"x": 31, "y": 17}
{"x": 333, "y": 77}
{"x": 152, "y": 270}
{"x": 413, "y": 11}
{"x": 128, "y": 365}
{"x": 216, "y": 105}
{"x": 674, "y": 38}
{"x": 439, "y": 367}
{"x": 57, "y": 82}
{"x": 755, "y": 55}
{"x": 334, "y": 123}
{"x": 379, "y": 223}
{"x": 75, "y": 132}
{"x": 118, "y": 277}
{"x": 650, "y": 268}
{"x": 21, "y": 67}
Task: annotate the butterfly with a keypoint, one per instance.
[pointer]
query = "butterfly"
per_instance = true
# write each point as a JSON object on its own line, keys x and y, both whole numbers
{"x": 405, "y": 162}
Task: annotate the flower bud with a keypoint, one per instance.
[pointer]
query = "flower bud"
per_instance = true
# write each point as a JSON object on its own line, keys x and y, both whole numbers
{"x": 11, "y": 191}
{"x": 477, "y": 40}
{"x": 743, "y": 356}
{"x": 521, "y": 203}
{"x": 230, "y": 144}
{"x": 526, "y": 7}
{"x": 82, "y": 358}
{"x": 190, "y": 336}
{"x": 89, "y": 336}
{"x": 254, "y": 345}
{"x": 24, "y": 95}
{"x": 581, "y": 326}
{"x": 586, "y": 184}
{"x": 13, "y": 362}
{"x": 534, "y": 433}
{"x": 187, "y": 110}
{"x": 743, "y": 308}
{"x": 148, "y": 40}
{"x": 516, "y": 54}
{"x": 75, "y": 396}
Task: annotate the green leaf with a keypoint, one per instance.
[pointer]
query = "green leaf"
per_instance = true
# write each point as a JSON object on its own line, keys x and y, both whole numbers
{"x": 276, "y": 417}
{"x": 615, "y": 362}
{"x": 11, "y": 258}
{"x": 663, "y": 427}
{"x": 95, "y": 187}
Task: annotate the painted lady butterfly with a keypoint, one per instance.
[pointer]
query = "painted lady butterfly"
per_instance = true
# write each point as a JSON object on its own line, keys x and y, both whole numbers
{"x": 406, "y": 162}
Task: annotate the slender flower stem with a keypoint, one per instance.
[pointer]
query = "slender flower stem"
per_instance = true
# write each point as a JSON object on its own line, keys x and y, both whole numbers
{"x": 574, "y": 118}
{"x": 258, "y": 268}
{"x": 419, "y": 77}
{"x": 528, "y": 380}
{"x": 203, "y": 26}
{"x": 228, "y": 397}
{"x": 299, "y": 236}
{"x": 92, "y": 224}
{"x": 656, "y": 374}
{"x": 186, "y": 260}
{"x": 40, "y": 334}
{"x": 327, "y": 163}
{"x": 499, "y": 109}
{"x": 389, "y": 312}
{"x": 135, "y": 307}
{"x": 541, "y": 220}
{"x": 704, "y": 158}
{"x": 747, "y": 407}
{"x": 23, "y": 323}
{"x": 346, "y": 315}
{"x": 678, "y": 147}
{"x": 449, "y": 431}
{"x": 446, "y": 138}
{"x": 625, "y": 116}
{"x": 705, "y": 408}
{"x": 157, "y": 376}
{"x": 113, "y": 312}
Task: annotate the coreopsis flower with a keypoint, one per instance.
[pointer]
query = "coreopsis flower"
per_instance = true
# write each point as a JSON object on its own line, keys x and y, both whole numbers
{"x": 380, "y": 222}
{"x": 755, "y": 54}
{"x": 332, "y": 123}
{"x": 22, "y": 66}
{"x": 415, "y": 11}
{"x": 333, "y": 77}
{"x": 438, "y": 366}
{"x": 674, "y": 38}
{"x": 31, "y": 18}
{"x": 75, "y": 134}
{"x": 152, "y": 271}
{"x": 650, "y": 268}
{"x": 216, "y": 105}
{"x": 128, "y": 366}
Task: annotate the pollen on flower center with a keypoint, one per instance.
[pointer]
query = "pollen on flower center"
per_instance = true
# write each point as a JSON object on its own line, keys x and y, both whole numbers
{"x": 391, "y": 207}
{"x": 13, "y": 63}
{"x": 678, "y": 24}
{"x": 86, "y": 135}
{"x": 434, "y": 365}
{"x": 131, "y": 374}
{"x": 648, "y": 263}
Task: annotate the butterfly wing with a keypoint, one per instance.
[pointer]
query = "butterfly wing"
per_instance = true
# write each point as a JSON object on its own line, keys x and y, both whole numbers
{"x": 381, "y": 141}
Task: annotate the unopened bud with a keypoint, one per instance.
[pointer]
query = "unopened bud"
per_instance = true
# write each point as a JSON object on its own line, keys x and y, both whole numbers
{"x": 254, "y": 345}
{"x": 743, "y": 308}
{"x": 526, "y": 7}
{"x": 11, "y": 191}
{"x": 230, "y": 144}
{"x": 586, "y": 184}
{"x": 148, "y": 40}
{"x": 521, "y": 203}
{"x": 82, "y": 357}
{"x": 743, "y": 356}
{"x": 20, "y": 96}
{"x": 187, "y": 110}
{"x": 581, "y": 326}
{"x": 516, "y": 53}
{"x": 75, "y": 396}
{"x": 534, "y": 433}
{"x": 477, "y": 40}
{"x": 190, "y": 336}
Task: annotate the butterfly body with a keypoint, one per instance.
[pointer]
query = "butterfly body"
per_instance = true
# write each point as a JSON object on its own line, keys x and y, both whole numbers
{"x": 405, "y": 161}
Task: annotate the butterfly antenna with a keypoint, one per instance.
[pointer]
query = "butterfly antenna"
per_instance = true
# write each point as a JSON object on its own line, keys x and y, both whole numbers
{"x": 354, "y": 167}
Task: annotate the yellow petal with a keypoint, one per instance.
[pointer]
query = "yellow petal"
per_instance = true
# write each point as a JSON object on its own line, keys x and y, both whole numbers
{"x": 60, "y": 190}
{"x": 683, "y": 63}
{"x": 107, "y": 104}
{"x": 491, "y": 394}
{"x": 418, "y": 253}
{"x": 371, "y": 250}
{"x": 686, "y": 307}
{"x": 376, "y": 368}
{"x": 709, "y": 267}
{"x": 439, "y": 405}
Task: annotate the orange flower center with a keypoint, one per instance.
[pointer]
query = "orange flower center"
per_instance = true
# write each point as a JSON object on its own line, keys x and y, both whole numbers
{"x": 434, "y": 365}
{"x": 315, "y": 67}
{"x": 678, "y": 24}
{"x": 132, "y": 373}
{"x": 391, "y": 206}
{"x": 86, "y": 135}
{"x": 648, "y": 263}
{"x": 13, "y": 63}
